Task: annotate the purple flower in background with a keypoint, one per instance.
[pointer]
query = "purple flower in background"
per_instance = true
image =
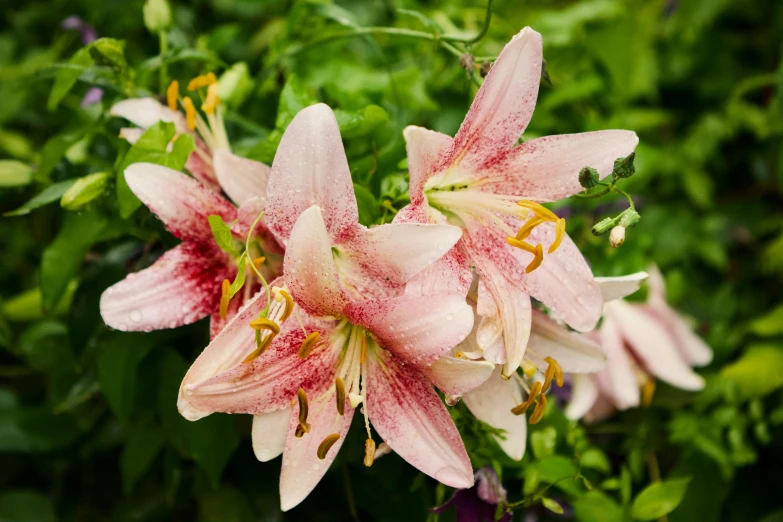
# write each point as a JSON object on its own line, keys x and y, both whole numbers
{"x": 88, "y": 35}
{"x": 480, "y": 502}
{"x": 93, "y": 95}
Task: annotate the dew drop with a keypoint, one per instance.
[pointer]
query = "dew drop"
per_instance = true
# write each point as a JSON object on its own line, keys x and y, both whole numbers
{"x": 135, "y": 316}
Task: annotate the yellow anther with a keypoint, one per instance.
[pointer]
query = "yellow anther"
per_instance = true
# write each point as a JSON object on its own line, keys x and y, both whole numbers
{"x": 289, "y": 305}
{"x": 212, "y": 100}
{"x": 531, "y": 398}
{"x": 369, "y": 452}
{"x": 648, "y": 390}
{"x": 172, "y": 93}
{"x": 260, "y": 348}
{"x": 559, "y": 233}
{"x": 538, "y": 413}
{"x": 327, "y": 444}
{"x": 528, "y": 227}
{"x": 257, "y": 262}
{"x": 363, "y": 355}
{"x": 202, "y": 81}
{"x": 558, "y": 371}
{"x": 190, "y": 112}
{"x": 303, "y": 427}
{"x": 308, "y": 344}
{"x": 339, "y": 387}
{"x": 263, "y": 323}
{"x": 514, "y": 242}
{"x": 536, "y": 262}
{"x": 539, "y": 210}
{"x": 225, "y": 298}
{"x": 528, "y": 368}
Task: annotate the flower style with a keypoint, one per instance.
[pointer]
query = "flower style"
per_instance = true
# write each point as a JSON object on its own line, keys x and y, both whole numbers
{"x": 492, "y": 188}
{"x": 192, "y": 280}
{"x": 642, "y": 342}
{"x": 212, "y": 161}
{"x": 356, "y": 334}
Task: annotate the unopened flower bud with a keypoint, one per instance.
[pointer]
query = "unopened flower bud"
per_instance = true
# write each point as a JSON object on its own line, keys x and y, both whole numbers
{"x": 467, "y": 62}
{"x": 629, "y": 218}
{"x": 589, "y": 177}
{"x": 603, "y": 226}
{"x": 617, "y": 236}
{"x": 623, "y": 167}
{"x": 157, "y": 15}
{"x": 84, "y": 191}
{"x": 484, "y": 69}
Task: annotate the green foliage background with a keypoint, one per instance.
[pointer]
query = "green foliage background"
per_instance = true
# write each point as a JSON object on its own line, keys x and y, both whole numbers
{"x": 88, "y": 423}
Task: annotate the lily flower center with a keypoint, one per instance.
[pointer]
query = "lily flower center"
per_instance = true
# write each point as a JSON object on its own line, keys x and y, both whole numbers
{"x": 537, "y": 393}
{"x": 463, "y": 199}
{"x": 210, "y": 127}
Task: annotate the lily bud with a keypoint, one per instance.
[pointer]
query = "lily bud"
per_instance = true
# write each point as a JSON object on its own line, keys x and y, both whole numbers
{"x": 589, "y": 177}
{"x": 467, "y": 62}
{"x": 484, "y": 69}
{"x": 157, "y": 15}
{"x": 604, "y": 226}
{"x": 623, "y": 167}
{"x": 84, "y": 191}
{"x": 629, "y": 218}
{"x": 617, "y": 236}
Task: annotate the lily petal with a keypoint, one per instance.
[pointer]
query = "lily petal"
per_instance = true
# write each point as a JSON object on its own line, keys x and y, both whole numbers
{"x": 410, "y": 417}
{"x": 505, "y": 102}
{"x": 302, "y": 469}
{"x": 457, "y": 376}
{"x": 618, "y": 380}
{"x": 309, "y": 267}
{"x": 584, "y": 394}
{"x": 492, "y": 403}
{"x": 269, "y": 433}
{"x": 181, "y": 287}
{"x": 181, "y": 202}
{"x": 575, "y": 353}
{"x": 427, "y": 155}
{"x": 618, "y": 287}
{"x": 418, "y": 328}
{"x": 241, "y": 178}
{"x": 146, "y": 112}
{"x": 692, "y": 347}
{"x": 310, "y": 168}
{"x": 547, "y": 169}
{"x": 653, "y": 344}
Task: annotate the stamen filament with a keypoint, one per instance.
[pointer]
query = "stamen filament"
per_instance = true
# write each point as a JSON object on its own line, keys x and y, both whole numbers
{"x": 172, "y": 93}
{"x": 327, "y": 444}
{"x": 225, "y": 298}
{"x": 369, "y": 452}
{"x": 339, "y": 387}
{"x": 308, "y": 344}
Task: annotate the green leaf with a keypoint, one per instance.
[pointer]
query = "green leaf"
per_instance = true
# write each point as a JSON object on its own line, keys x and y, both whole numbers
{"x": 108, "y": 52}
{"x": 118, "y": 358}
{"x": 770, "y": 324}
{"x": 543, "y": 441}
{"x": 66, "y": 78}
{"x": 360, "y": 123}
{"x": 596, "y": 506}
{"x": 659, "y": 499}
{"x": 143, "y": 443}
{"x": 368, "y": 205}
{"x": 222, "y": 234}
{"x": 48, "y": 195}
{"x": 594, "y": 458}
{"x": 14, "y": 173}
{"x": 235, "y": 85}
{"x": 151, "y": 148}
{"x": 84, "y": 191}
{"x": 293, "y": 98}
{"x": 552, "y": 505}
{"x": 62, "y": 258}
{"x": 758, "y": 372}
{"x": 54, "y": 150}
{"x": 239, "y": 280}
{"x": 25, "y": 506}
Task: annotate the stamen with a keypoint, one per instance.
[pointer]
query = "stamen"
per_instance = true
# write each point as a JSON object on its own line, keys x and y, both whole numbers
{"x": 190, "y": 112}
{"x": 257, "y": 262}
{"x": 289, "y": 305}
{"x": 514, "y": 242}
{"x": 172, "y": 93}
{"x": 471, "y": 356}
{"x": 202, "y": 81}
{"x": 260, "y": 347}
{"x": 212, "y": 100}
{"x": 303, "y": 427}
{"x": 538, "y": 413}
{"x": 263, "y": 323}
{"x": 339, "y": 386}
{"x": 531, "y": 398}
{"x": 558, "y": 371}
{"x": 536, "y": 262}
{"x": 326, "y": 445}
{"x": 559, "y": 233}
{"x": 528, "y": 227}
{"x": 369, "y": 452}
{"x": 648, "y": 390}
{"x": 539, "y": 210}
{"x": 308, "y": 344}
{"x": 363, "y": 356}
{"x": 225, "y": 298}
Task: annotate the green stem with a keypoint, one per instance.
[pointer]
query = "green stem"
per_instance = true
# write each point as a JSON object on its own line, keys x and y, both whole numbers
{"x": 624, "y": 193}
{"x": 164, "y": 73}
{"x": 480, "y": 35}
{"x": 247, "y": 254}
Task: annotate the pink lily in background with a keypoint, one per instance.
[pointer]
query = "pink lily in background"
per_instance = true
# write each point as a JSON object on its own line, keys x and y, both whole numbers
{"x": 483, "y": 182}
{"x": 212, "y": 161}
{"x": 190, "y": 281}
{"x": 643, "y": 341}
{"x": 355, "y": 336}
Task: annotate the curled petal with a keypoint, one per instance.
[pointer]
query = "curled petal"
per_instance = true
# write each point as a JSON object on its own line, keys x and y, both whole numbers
{"x": 575, "y": 353}
{"x": 584, "y": 394}
{"x": 146, "y": 112}
{"x": 242, "y": 179}
{"x": 410, "y": 417}
{"x": 269, "y": 433}
{"x": 618, "y": 287}
{"x": 618, "y": 380}
{"x": 457, "y": 376}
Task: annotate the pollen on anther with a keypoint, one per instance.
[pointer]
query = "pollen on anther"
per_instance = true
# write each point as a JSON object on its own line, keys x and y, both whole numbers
{"x": 172, "y": 93}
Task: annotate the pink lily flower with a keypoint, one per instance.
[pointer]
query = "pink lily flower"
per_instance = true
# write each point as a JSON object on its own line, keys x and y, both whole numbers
{"x": 483, "y": 182}
{"x": 355, "y": 335}
{"x": 642, "y": 342}
{"x": 190, "y": 281}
